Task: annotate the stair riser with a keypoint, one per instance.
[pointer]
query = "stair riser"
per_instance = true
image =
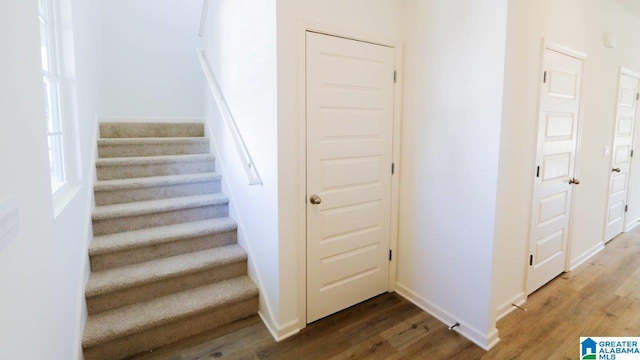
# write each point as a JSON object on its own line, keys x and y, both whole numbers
{"x": 165, "y": 287}
{"x": 111, "y": 197}
{"x": 136, "y": 171}
{"x": 159, "y": 251}
{"x": 155, "y": 130}
{"x": 128, "y": 150}
{"x": 172, "y": 332}
{"x": 137, "y": 222}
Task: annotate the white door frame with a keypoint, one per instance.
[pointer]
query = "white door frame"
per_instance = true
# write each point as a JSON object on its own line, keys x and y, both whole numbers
{"x": 303, "y": 27}
{"x": 635, "y": 74}
{"x": 550, "y": 45}
{"x": 628, "y": 72}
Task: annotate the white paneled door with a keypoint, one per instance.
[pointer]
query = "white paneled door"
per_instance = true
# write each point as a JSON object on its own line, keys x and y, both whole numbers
{"x": 556, "y": 154}
{"x": 621, "y": 155}
{"x": 349, "y": 94}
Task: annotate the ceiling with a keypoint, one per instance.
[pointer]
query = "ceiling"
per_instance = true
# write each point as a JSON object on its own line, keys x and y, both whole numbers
{"x": 632, "y": 5}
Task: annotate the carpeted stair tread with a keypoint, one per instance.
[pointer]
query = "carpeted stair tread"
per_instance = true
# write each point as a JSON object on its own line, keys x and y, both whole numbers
{"x": 136, "y": 147}
{"x": 116, "y": 323}
{"x": 157, "y": 206}
{"x": 149, "y": 160}
{"x": 151, "y": 129}
{"x": 153, "y": 141}
{"x": 129, "y": 240}
{"x": 152, "y": 181}
{"x": 106, "y": 281}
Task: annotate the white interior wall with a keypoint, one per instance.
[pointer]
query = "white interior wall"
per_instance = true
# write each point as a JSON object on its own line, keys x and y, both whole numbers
{"x": 41, "y": 270}
{"x": 240, "y": 45}
{"x": 371, "y": 19}
{"x": 149, "y": 65}
{"x": 578, "y": 24}
{"x": 454, "y": 58}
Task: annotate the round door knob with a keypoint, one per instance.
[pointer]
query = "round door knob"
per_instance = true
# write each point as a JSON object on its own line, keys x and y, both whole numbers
{"x": 315, "y": 200}
{"x": 574, "y": 181}
{"x": 615, "y": 169}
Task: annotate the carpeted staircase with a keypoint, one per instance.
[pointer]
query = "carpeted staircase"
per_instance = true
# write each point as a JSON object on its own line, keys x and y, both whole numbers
{"x": 165, "y": 264}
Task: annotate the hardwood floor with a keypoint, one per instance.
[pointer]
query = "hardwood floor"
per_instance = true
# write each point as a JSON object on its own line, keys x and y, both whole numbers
{"x": 600, "y": 298}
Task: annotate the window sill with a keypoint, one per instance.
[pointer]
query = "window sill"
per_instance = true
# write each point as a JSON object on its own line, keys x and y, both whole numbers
{"x": 62, "y": 197}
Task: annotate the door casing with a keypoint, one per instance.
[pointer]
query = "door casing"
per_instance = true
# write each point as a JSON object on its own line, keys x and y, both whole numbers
{"x": 303, "y": 28}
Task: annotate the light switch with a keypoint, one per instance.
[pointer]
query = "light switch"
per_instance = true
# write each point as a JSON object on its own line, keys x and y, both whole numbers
{"x": 607, "y": 151}
{"x": 9, "y": 224}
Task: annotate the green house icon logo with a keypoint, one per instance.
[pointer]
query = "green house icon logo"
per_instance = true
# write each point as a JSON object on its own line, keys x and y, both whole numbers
{"x": 588, "y": 349}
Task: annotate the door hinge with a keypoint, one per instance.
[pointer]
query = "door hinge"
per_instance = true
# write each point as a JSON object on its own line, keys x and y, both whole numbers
{"x": 544, "y": 78}
{"x": 626, "y": 208}
{"x": 393, "y": 168}
{"x": 395, "y": 76}
{"x": 631, "y": 153}
{"x": 538, "y": 172}
{"x": 390, "y": 254}
{"x": 637, "y": 96}
{"x": 530, "y": 260}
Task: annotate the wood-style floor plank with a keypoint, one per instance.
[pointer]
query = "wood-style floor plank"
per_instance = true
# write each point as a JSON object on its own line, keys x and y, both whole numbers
{"x": 599, "y": 298}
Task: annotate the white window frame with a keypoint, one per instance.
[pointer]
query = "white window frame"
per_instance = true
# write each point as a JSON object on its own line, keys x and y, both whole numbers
{"x": 51, "y": 66}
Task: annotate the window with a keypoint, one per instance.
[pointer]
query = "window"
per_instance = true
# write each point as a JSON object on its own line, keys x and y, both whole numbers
{"x": 51, "y": 86}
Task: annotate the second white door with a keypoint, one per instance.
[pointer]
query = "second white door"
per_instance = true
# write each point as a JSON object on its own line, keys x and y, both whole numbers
{"x": 621, "y": 155}
{"x": 349, "y": 114}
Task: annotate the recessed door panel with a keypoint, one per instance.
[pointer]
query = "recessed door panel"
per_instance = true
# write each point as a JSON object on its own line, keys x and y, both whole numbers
{"x": 628, "y": 96}
{"x": 625, "y": 126}
{"x": 618, "y": 183}
{"x": 349, "y": 123}
{"x": 559, "y": 126}
{"x": 556, "y": 154}
{"x": 349, "y": 114}
{"x": 351, "y": 73}
{"x": 556, "y": 166}
{"x": 340, "y": 221}
{"x": 553, "y": 207}
{"x": 349, "y": 172}
{"x": 562, "y": 83}
{"x": 621, "y": 156}
{"x": 549, "y": 247}
{"x": 616, "y": 212}
{"x": 348, "y": 265}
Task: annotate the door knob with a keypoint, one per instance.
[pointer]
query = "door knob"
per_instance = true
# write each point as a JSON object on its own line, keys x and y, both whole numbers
{"x": 574, "y": 181}
{"x": 315, "y": 200}
{"x": 615, "y": 169}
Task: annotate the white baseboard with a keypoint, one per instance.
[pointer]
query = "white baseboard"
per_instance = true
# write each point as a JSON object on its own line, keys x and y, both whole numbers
{"x": 632, "y": 225}
{"x": 278, "y": 332}
{"x": 586, "y": 256}
{"x": 283, "y": 332}
{"x": 485, "y": 341}
{"x": 150, "y": 119}
{"x": 507, "y": 307}
{"x": 492, "y": 339}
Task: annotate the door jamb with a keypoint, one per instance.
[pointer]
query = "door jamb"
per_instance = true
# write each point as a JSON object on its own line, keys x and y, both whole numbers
{"x": 550, "y": 45}
{"x": 305, "y": 26}
{"x": 634, "y": 141}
